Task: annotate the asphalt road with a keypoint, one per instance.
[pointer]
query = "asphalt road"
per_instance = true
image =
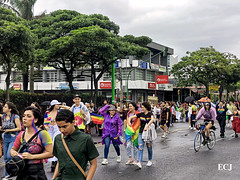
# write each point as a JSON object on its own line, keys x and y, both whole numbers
{"x": 174, "y": 158}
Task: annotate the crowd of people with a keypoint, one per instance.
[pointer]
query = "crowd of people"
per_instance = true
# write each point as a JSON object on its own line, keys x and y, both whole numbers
{"x": 62, "y": 135}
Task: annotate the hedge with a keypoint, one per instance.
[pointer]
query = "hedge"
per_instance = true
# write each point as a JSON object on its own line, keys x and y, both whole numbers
{"x": 23, "y": 99}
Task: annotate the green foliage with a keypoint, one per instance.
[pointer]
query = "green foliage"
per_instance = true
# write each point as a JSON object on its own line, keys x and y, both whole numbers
{"x": 16, "y": 42}
{"x": 207, "y": 66}
{"x": 69, "y": 40}
{"x": 23, "y": 99}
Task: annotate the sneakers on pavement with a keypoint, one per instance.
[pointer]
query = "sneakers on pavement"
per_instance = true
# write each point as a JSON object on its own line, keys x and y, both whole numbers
{"x": 134, "y": 162}
{"x": 149, "y": 163}
{"x": 129, "y": 162}
{"x": 119, "y": 159}
{"x": 139, "y": 165}
{"x": 105, "y": 161}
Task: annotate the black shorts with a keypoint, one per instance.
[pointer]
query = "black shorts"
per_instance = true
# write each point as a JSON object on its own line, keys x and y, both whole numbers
{"x": 207, "y": 121}
{"x": 163, "y": 122}
{"x": 158, "y": 116}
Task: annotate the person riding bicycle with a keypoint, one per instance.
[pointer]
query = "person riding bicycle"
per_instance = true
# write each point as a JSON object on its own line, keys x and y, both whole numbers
{"x": 209, "y": 115}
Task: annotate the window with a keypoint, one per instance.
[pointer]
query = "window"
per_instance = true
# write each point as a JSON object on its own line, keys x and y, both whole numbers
{"x": 51, "y": 76}
{"x": 139, "y": 74}
{"x": 150, "y": 76}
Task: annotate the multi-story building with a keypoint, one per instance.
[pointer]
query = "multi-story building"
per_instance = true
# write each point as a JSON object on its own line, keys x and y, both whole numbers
{"x": 140, "y": 74}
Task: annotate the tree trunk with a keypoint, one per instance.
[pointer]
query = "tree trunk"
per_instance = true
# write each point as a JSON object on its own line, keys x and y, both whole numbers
{"x": 7, "y": 80}
{"x": 32, "y": 78}
{"x": 92, "y": 77}
{"x": 95, "y": 89}
{"x": 220, "y": 92}
{"x": 207, "y": 90}
{"x": 227, "y": 94}
{"x": 25, "y": 81}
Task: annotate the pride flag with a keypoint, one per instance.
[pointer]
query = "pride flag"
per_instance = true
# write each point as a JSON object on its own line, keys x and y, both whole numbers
{"x": 96, "y": 118}
{"x": 133, "y": 131}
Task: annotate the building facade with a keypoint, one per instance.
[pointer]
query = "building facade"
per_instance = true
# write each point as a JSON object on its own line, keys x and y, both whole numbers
{"x": 137, "y": 76}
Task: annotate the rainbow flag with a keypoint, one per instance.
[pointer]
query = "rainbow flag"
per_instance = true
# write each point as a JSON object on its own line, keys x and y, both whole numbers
{"x": 133, "y": 131}
{"x": 96, "y": 118}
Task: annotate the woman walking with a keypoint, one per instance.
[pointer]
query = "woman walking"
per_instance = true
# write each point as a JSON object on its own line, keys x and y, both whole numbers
{"x": 35, "y": 151}
{"x": 51, "y": 126}
{"x": 131, "y": 134}
{"x": 11, "y": 126}
{"x": 146, "y": 118}
{"x": 112, "y": 129}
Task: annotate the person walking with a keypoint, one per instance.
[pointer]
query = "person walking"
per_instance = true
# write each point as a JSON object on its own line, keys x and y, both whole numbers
{"x": 80, "y": 145}
{"x": 221, "y": 117}
{"x": 112, "y": 130}
{"x": 37, "y": 150}
{"x": 164, "y": 118}
{"x": 131, "y": 134}
{"x": 11, "y": 127}
{"x": 81, "y": 113}
{"x": 146, "y": 119}
{"x": 51, "y": 126}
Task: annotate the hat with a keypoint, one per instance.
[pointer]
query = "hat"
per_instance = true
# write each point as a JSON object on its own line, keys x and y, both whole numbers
{"x": 15, "y": 166}
{"x": 112, "y": 108}
{"x": 77, "y": 95}
{"x": 54, "y": 102}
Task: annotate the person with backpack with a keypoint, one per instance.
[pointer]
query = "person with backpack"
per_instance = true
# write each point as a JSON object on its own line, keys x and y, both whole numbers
{"x": 11, "y": 125}
{"x": 33, "y": 145}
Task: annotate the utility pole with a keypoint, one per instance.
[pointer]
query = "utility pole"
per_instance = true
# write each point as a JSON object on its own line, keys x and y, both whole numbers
{"x": 113, "y": 81}
{"x": 121, "y": 87}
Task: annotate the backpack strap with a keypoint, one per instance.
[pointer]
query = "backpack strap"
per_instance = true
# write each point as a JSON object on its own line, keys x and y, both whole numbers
{"x": 25, "y": 145}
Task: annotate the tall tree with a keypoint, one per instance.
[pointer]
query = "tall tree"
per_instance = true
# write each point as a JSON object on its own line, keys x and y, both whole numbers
{"x": 16, "y": 42}
{"x": 198, "y": 67}
{"x": 24, "y": 9}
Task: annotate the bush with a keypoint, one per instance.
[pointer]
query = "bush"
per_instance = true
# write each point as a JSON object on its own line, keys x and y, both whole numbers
{"x": 23, "y": 99}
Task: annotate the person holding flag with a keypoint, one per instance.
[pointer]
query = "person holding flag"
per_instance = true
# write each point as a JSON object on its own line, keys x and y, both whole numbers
{"x": 131, "y": 134}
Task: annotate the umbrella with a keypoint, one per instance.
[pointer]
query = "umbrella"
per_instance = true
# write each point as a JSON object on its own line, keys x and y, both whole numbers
{"x": 45, "y": 103}
{"x": 189, "y": 99}
{"x": 205, "y": 99}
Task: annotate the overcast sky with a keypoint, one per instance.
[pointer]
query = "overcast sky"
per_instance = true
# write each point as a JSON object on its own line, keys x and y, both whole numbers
{"x": 184, "y": 25}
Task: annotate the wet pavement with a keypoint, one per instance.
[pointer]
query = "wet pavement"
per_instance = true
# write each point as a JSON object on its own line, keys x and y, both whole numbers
{"x": 173, "y": 158}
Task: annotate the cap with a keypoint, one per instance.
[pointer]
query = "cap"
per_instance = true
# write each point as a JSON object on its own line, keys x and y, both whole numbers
{"x": 77, "y": 95}
{"x": 112, "y": 108}
{"x": 54, "y": 102}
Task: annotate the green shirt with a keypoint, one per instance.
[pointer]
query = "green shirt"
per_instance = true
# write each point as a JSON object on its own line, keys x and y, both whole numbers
{"x": 83, "y": 150}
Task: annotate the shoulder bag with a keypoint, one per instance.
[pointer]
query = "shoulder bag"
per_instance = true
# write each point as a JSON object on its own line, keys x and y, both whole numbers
{"x": 71, "y": 156}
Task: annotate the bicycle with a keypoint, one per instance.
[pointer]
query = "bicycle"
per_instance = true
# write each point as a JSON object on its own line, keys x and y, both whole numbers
{"x": 200, "y": 140}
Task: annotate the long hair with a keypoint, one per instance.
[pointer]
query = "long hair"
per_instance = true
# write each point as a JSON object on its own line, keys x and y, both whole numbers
{"x": 12, "y": 107}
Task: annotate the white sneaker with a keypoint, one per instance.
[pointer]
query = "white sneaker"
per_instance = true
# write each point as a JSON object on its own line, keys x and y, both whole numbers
{"x": 139, "y": 165}
{"x": 105, "y": 161}
{"x": 149, "y": 163}
{"x": 6, "y": 178}
{"x": 164, "y": 135}
{"x": 189, "y": 127}
{"x": 119, "y": 159}
{"x": 194, "y": 128}
{"x": 129, "y": 162}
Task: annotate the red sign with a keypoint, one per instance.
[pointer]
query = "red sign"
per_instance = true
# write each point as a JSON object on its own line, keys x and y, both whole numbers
{"x": 162, "y": 79}
{"x": 17, "y": 86}
{"x": 151, "y": 85}
{"x": 105, "y": 85}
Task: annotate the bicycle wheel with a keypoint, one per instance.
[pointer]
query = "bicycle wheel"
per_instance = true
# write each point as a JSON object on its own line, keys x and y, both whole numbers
{"x": 198, "y": 141}
{"x": 212, "y": 142}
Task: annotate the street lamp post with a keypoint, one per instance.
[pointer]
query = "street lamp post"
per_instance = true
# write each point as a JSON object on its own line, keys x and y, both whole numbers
{"x": 113, "y": 83}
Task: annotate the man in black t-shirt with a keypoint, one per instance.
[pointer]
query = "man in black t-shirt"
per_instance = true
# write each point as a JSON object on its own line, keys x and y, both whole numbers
{"x": 164, "y": 119}
{"x": 221, "y": 117}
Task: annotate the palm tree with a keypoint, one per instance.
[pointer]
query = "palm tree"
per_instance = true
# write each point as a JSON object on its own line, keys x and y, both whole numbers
{"x": 24, "y": 9}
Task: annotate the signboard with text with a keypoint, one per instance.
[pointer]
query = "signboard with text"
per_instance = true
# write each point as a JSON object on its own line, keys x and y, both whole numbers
{"x": 162, "y": 79}
{"x": 105, "y": 85}
{"x": 151, "y": 85}
{"x": 17, "y": 86}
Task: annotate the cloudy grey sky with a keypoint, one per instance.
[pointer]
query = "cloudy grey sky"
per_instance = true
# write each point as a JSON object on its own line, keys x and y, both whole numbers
{"x": 184, "y": 25}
